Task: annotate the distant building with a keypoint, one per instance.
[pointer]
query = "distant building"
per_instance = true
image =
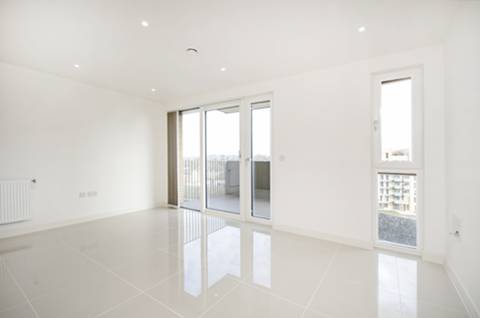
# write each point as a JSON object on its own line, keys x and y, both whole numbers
{"x": 397, "y": 193}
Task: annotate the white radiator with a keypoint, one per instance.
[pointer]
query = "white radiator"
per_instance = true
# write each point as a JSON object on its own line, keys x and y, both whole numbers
{"x": 15, "y": 197}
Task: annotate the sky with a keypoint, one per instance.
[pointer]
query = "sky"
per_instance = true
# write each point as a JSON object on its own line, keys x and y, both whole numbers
{"x": 396, "y": 116}
{"x": 223, "y": 133}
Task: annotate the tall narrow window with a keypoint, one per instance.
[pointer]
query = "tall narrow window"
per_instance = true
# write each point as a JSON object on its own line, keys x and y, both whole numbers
{"x": 396, "y": 119}
{"x": 398, "y": 153}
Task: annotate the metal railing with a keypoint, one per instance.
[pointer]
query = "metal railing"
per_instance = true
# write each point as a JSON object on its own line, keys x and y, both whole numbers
{"x": 222, "y": 177}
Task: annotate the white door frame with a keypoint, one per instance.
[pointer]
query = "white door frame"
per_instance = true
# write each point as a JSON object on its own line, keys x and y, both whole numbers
{"x": 244, "y": 105}
{"x": 248, "y": 160}
{"x": 234, "y": 103}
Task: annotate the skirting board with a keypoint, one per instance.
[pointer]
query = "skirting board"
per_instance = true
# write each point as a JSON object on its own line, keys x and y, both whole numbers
{"x": 327, "y": 237}
{"x": 49, "y": 226}
{"x": 472, "y": 309}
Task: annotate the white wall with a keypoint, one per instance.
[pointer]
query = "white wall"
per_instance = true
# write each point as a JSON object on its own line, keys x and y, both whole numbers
{"x": 76, "y": 138}
{"x": 322, "y": 125}
{"x": 462, "y": 57}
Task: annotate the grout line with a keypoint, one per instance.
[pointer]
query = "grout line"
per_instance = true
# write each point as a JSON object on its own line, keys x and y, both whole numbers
{"x": 270, "y": 293}
{"x": 141, "y": 291}
{"x": 162, "y": 281}
{"x": 219, "y": 300}
{"x": 21, "y": 290}
{"x": 144, "y": 293}
{"x": 312, "y": 297}
{"x": 103, "y": 266}
{"x": 162, "y": 304}
{"x": 106, "y": 311}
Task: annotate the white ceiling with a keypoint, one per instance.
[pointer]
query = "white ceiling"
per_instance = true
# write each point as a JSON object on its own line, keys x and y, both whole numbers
{"x": 253, "y": 39}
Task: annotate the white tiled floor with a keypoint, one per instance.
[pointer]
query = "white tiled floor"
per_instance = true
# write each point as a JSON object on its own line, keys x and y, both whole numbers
{"x": 166, "y": 263}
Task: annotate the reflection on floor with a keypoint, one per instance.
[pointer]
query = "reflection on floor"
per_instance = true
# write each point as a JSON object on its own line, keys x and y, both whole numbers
{"x": 191, "y": 204}
{"x": 231, "y": 203}
{"x": 168, "y": 263}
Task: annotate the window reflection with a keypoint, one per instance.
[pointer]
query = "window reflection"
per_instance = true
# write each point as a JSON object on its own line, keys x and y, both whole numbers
{"x": 212, "y": 250}
{"x": 397, "y": 281}
{"x": 262, "y": 259}
{"x": 408, "y": 277}
{"x": 192, "y": 253}
{"x": 223, "y": 250}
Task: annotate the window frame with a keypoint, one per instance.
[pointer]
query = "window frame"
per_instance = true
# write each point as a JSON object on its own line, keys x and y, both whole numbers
{"x": 415, "y": 166}
{"x": 416, "y": 250}
{"x": 417, "y": 119}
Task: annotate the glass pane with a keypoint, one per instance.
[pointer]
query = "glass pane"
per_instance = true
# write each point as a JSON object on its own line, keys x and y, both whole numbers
{"x": 223, "y": 160}
{"x": 261, "y": 160}
{"x": 396, "y": 120}
{"x": 397, "y": 208}
{"x": 190, "y": 154}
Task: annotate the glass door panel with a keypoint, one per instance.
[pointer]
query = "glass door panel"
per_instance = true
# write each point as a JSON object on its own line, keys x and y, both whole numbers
{"x": 260, "y": 159}
{"x": 190, "y": 155}
{"x": 222, "y": 152}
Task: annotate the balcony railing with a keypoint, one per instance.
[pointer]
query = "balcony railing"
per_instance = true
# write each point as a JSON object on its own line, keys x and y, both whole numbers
{"x": 222, "y": 177}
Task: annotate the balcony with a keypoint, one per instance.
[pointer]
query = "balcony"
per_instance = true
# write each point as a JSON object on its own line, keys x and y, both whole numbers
{"x": 223, "y": 185}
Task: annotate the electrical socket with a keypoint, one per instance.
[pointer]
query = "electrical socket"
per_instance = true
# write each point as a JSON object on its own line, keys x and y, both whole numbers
{"x": 81, "y": 195}
{"x": 92, "y": 193}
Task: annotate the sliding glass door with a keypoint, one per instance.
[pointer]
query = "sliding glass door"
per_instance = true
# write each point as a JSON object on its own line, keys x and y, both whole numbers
{"x": 225, "y": 158}
{"x": 222, "y": 153}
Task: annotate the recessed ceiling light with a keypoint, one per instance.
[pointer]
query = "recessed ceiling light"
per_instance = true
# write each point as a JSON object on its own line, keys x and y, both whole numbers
{"x": 223, "y": 69}
{"x": 154, "y": 90}
{"x": 145, "y": 23}
{"x": 362, "y": 29}
{"x": 192, "y": 51}
{"x": 76, "y": 65}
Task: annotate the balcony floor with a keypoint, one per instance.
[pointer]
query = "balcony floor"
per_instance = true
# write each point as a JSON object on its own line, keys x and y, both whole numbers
{"x": 231, "y": 203}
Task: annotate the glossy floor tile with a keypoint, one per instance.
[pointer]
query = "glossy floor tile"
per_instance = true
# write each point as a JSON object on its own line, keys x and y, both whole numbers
{"x": 180, "y": 263}
{"x": 86, "y": 299}
{"x": 24, "y": 311}
{"x": 10, "y": 294}
{"x": 147, "y": 271}
{"x": 142, "y": 307}
{"x": 181, "y": 295}
{"x": 246, "y": 301}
